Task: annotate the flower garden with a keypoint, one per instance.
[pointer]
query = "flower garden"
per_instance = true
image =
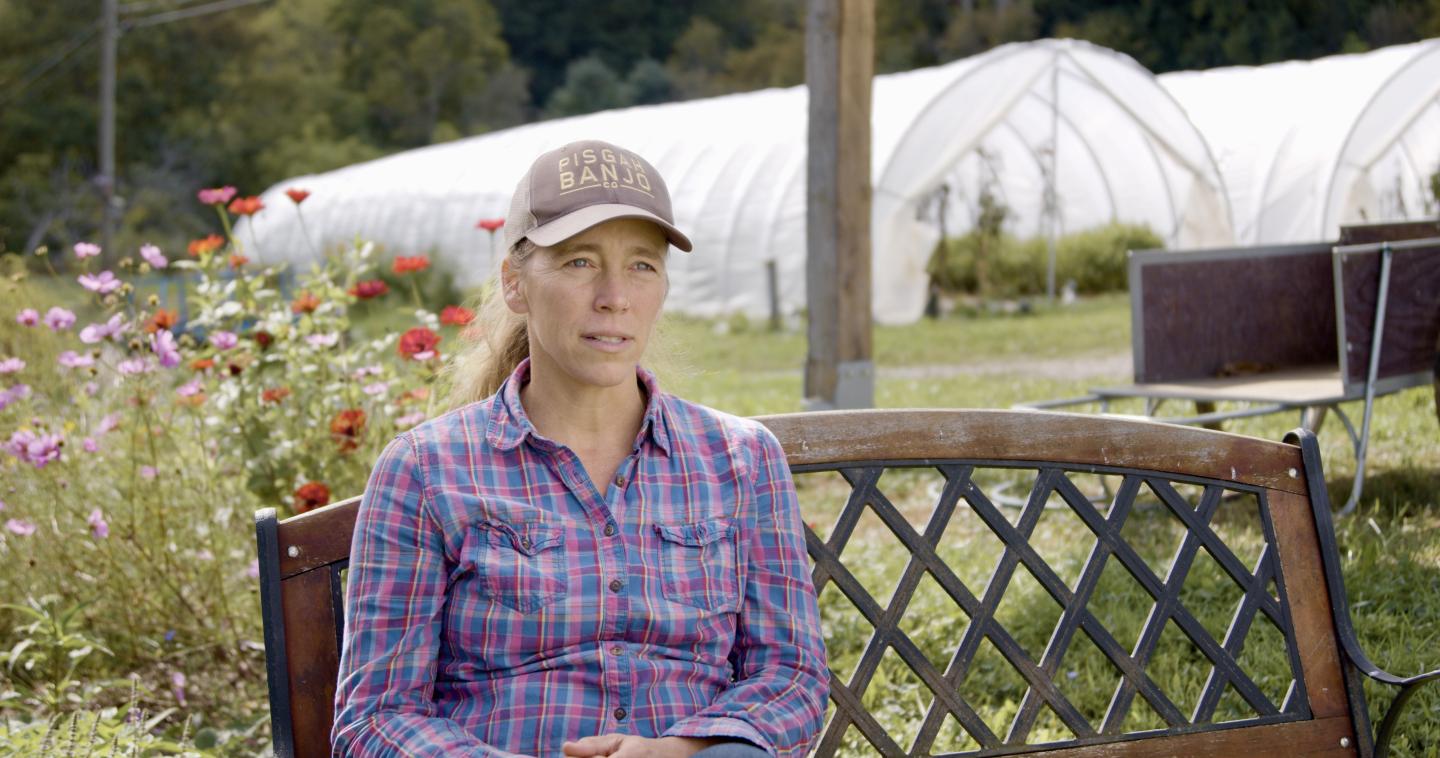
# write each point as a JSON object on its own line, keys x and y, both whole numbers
{"x": 139, "y": 438}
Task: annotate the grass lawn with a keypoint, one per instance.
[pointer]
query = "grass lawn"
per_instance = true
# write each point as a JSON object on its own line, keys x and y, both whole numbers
{"x": 1390, "y": 548}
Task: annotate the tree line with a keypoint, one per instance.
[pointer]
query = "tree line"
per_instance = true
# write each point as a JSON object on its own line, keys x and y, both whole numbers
{"x": 262, "y": 92}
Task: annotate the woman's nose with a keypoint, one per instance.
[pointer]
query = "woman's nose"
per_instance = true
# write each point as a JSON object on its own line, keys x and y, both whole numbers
{"x": 612, "y": 295}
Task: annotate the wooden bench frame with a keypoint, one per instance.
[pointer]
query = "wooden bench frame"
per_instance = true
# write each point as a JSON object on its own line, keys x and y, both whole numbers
{"x": 1323, "y": 713}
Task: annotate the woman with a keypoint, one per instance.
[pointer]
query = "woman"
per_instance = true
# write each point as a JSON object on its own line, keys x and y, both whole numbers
{"x": 579, "y": 564}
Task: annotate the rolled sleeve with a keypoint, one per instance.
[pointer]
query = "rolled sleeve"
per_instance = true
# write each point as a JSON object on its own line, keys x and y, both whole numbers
{"x": 394, "y": 601}
{"x": 777, "y": 700}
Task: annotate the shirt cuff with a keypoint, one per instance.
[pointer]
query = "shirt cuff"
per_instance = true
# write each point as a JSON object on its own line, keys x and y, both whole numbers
{"x": 720, "y": 726}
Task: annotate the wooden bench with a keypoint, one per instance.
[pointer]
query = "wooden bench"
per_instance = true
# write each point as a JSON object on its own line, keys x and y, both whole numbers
{"x": 1124, "y": 506}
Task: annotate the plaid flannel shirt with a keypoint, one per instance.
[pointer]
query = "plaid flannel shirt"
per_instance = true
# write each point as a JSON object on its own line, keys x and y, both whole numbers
{"x": 499, "y": 602}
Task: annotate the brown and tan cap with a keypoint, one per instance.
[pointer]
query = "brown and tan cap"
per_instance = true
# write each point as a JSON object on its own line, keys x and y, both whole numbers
{"x": 575, "y": 187}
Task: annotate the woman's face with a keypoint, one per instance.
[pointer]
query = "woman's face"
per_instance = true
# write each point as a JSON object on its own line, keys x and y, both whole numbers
{"x": 592, "y": 301}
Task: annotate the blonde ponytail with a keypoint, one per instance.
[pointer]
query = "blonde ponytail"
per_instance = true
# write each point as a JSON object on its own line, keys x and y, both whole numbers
{"x": 496, "y": 341}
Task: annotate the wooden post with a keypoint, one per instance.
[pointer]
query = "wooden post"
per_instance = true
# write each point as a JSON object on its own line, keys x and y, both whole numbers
{"x": 839, "y": 67}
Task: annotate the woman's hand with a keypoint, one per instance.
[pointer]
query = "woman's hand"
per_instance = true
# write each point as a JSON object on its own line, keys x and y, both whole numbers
{"x": 632, "y": 746}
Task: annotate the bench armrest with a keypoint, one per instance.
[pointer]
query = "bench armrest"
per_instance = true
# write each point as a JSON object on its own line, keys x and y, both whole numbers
{"x": 1340, "y": 604}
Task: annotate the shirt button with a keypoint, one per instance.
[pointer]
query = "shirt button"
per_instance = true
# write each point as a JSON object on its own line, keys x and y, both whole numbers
{"x": 609, "y": 530}
{"x": 620, "y": 480}
{"x": 525, "y": 543}
{"x": 615, "y": 585}
{"x": 619, "y": 714}
{"x": 616, "y": 650}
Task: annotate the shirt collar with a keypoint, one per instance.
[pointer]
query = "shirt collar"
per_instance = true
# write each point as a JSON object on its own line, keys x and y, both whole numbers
{"x": 510, "y": 425}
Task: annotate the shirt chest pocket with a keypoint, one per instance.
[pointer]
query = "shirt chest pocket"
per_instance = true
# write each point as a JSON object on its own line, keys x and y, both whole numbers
{"x": 520, "y": 565}
{"x": 698, "y": 564}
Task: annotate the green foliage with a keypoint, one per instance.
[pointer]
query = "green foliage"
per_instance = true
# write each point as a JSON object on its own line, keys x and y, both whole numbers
{"x": 1094, "y": 259}
{"x": 42, "y": 665}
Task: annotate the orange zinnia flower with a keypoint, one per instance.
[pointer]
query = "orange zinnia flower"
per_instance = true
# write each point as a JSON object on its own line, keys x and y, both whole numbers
{"x": 369, "y": 288}
{"x": 404, "y": 265}
{"x": 275, "y": 394}
{"x": 310, "y": 496}
{"x": 162, "y": 319}
{"x": 304, "y": 303}
{"x": 297, "y": 195}
{"x": 201, "y": 364}
{"x": 236, "y": 261}
{"x": 207, "y": 244}
{"x": 415, "y": 395}
{"x": 246, "y": 206}
{"x": 456, "y": 315}
{"x": 346, "y": 427}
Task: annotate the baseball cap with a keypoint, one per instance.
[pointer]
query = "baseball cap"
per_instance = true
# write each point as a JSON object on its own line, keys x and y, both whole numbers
{"x": 575, "y": 187}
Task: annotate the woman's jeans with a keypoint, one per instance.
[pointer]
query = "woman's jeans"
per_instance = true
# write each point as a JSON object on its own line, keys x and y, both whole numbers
{"x": 732, "y": 750}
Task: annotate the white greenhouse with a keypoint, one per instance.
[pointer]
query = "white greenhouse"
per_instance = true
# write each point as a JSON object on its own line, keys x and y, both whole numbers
{"x": 736, "y": 170}
{"x": 1305, "y": 146}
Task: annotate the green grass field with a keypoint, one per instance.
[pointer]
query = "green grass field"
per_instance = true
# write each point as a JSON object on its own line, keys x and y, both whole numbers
{"x": 1390, "y": 548}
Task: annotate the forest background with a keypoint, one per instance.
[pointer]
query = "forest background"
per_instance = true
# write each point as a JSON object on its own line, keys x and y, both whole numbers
{"x": 269, "y": 90}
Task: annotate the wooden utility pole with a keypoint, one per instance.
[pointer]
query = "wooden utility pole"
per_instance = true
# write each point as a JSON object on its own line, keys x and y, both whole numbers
{"x": 839, "y": 67}
{"x": 110, "y": 35}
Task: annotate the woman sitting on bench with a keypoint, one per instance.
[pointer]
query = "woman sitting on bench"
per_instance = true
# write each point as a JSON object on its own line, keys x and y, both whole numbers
{"x": 574, "y": 562}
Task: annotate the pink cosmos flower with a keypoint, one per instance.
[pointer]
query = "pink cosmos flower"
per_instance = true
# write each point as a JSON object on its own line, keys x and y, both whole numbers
{"x": 163, "y": 343}
{"x": 72, "y": 359}
{"x": 216, "y": 195}
{"x": 86, "y": 250}
{"x": 405, "y": 422}
{"x": 253, "y": 570}
{"x": 190, "y": 388}
{"x": 11, "y": 365}
{"x": 224, "y": 340}
{"x": 323, "y": 340}
{"x": 177, "y": 683}
{"x": 27, "y": 317}
{"x": 98, "y": 528}
{"x": 58, "y": 318}
{"x": 148, "y": 472}
{"x": 2, "y": 505}
{"x": 20, "y": 527}
{"x": 18, "y": 392}
{"x": 153, "y": 256}
{"x": 90, "y": 445}
{"x": 132, "y": 366}
{"x": 364, "y": 371}
{"x": 97, "y": 332}
{"x": 108, "y": 423}
{"x": 90, "y": 388}
{"x": 204, "y": 555}
{"x": 35, "y": 449}
{"x": 378, "y": 388}
{"x": 103, "y": 283}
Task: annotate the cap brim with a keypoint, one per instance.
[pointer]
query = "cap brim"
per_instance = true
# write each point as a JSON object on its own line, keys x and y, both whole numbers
{"x": 571, "y": 224}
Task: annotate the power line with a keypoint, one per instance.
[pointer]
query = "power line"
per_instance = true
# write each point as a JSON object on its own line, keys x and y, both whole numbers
{"x": 58, "y": 57}
{"x": 184, "y": 13}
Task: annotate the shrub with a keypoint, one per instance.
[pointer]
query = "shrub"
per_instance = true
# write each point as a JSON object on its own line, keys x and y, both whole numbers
{"x": 1095, "y": 259}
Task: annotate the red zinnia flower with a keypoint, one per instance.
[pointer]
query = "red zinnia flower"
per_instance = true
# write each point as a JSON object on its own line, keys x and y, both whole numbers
{"x": 162, "y": 319}
{"x": 456, "y": 315}
{"x": 304, "y": 303}
{"x": 236, "y": 261}
{"x": 208, "y": 244}
{"x": 275, "y": 394}
{"x": 490, "y": 224}
{"x": 346, "y": 427}
{"x": 201, "y": 364}
{"x": 246, "y": 206}
{"x": 404, "y": 265}
{"x": 419, "y": 344}
{"x": 369, "y": 288}
{"x": 235, "y": 368}
{"x": 263, "y": 339}
{"x": 297, "y": 195}
{"x": 310, "y": 496}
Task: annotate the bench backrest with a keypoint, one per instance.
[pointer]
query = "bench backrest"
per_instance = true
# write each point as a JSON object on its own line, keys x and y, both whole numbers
{"x": 997, "y": 581}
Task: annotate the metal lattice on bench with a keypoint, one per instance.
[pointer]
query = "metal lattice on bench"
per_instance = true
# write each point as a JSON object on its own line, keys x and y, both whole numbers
{"x": 1108, "y": 485}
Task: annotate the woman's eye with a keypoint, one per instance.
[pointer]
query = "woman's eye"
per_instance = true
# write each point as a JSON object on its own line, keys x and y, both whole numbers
{"x": 578, "y": 263}
{"x": 645, "y": 266}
